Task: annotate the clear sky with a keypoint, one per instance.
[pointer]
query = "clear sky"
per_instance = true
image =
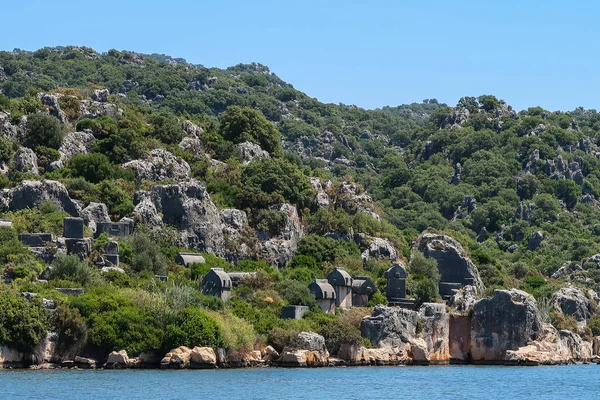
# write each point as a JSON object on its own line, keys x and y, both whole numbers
{"x": 528, "y": 52}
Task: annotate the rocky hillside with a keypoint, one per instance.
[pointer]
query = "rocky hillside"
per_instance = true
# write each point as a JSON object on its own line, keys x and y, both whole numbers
{"x": 259, "y": 177}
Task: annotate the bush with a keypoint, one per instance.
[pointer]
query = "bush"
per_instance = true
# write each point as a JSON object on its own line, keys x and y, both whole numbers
{"x": 119, "y": 203}
{"x": 324, "y": 249}
{"x": 242, "y": 124}
{"x": 337, "y": 333}
{"x": 238, "y": 334}
{"x": 561, "y": 321}
{"x": 6, "y": 150}
{"x": 44, "y": 131}
{"x": 70, "y": 268}
{"x": 193, "y": 327}
{"x": 72, "y": 331}
{"x": 295, "y": 293}
{"x": 10, "y": 245}
{"x": 421, "y": 265}
{"x": 146, "y": 255}
{"x": 422, "y": 288}
{"x": 166, "y": 128}
{"x": 93, "y": 167}
{"x": 22, "y": 323}
{"x": 594, "y": 324}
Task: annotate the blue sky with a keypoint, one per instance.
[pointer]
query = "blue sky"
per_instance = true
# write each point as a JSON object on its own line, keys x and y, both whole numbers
{"x": 528, "y": 52}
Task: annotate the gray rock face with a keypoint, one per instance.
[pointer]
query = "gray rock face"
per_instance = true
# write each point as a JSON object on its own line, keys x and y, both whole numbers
{"x": 453, "y": 263}
{"x": 506, "y": 321}
{"x": 31, "y": 194}
{"x": 7, "y": 129}
{"x": 51, "y": 101}
{"x": 146, "y": 211}
{"x": 456, "y": 118}
{"x": 280, "y": 250}
{"x": 389, "y": 326}
{"x": 379, "y": 249}
{"x": 191, "y": 129}
{"x": 310, "y": 341}
{"x": 158, "y": 166}
{"x": 353, "y": 200}
{"x": 535, "y": 240}
{"x": 96, "y": 109}
{"x": 250, "y": 151}
{"x": 572, "y": 301}
{"x": 568, "y": 270}
{"x": 95, "y": 213}
{"x": 237, "y": 232}
{"x": 100, "y": 95}
{"x": 464, "y": 299}
{"x": 322, "y": 200}
{"x": 26, "y": 161}
{"x": 188, "y": 207}
{"x": 193, "y": 146}
{"x": 74, "y": 143}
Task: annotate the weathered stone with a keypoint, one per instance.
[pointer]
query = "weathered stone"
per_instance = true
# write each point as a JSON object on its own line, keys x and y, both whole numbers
{"x": 85, "y": 363}
{"x": 464, "y": 299}
{"x": 7, "y": 129}
{"x": 535, "y": 240}
{"x": 307, "y": 350}
{"x": 51, "y": 101}
{"x": 279, "y": 250}
{"x": 158, "y": 166}
{"x": 74, "y": 143}
{"x": 389, "y": 326}
{"x": 26, "y": 161}
{"x": 31, "y": 194}
{"x": 573, "y": 301}
{"x": 188, "y": 207}
{"x": 191, "y": 128}
{"x": 322, "y": 200}
{"x": 506, "y": 321}
{"x": 93, "y": 214}
{"x": 117, "y": 359}
{"x": 453, "y": 263}
{"x": 250, "y": 151}
{"x": 193, "y": 146}
{"x": 203, "y": 357}
{"x": 270, "y": 354}
{"x": 177, "y": 358}
{"x": 379, "y": 249}
{"x": 100, "y": 95}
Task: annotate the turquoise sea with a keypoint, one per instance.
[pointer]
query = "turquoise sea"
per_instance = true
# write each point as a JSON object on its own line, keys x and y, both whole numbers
{"x": 441, "y": 382}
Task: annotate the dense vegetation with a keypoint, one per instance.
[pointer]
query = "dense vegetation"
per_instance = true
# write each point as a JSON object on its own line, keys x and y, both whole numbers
{"x": 405, "y": 157}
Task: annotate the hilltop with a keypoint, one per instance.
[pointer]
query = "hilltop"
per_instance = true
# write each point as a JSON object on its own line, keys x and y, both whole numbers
{"x": 258, "y": 177}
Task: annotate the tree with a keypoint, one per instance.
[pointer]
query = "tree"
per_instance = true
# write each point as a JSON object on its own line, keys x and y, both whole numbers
{"x": 44, "y": 131}
{"x": 94, "y": 167}
{"x": 193, "y": 327}
{"x": 166, "y": 128}
{"x": 22, "y": 323}
{"x": 244, "y": 124}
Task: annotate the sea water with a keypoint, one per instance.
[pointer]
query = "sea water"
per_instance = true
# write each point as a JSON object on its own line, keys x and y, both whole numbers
{"x": 440, "y": 382}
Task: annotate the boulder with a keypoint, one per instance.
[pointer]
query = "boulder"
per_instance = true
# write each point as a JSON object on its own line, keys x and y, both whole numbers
{"x": 307, "y": 350}
{"x": 93, "y": 214}
{"x": 31, "y": 194}
{"x": 191, "y": 128}
{"x": 100, "y": 95}
{"x": 322, "y": 200}
{"x": 270, "y": 354}
{"x": 464, "y": 299}
{"x": 10, "y": 357}
{"x": 26, "y": 161}
{"x": 117, "y": 360}
{"x": 51, "y": 100}
{"x": 193, "y": 146}
{"x": 85, "y": 363}
{"x": 353, "y": 199}
{"x": 74, "y": 143}
{"x": 280, "y": 249}
{"x": 435, "y": 334}
{"x": 178, "y": 358}
{"x": 7, "y": 129}
{"x": 97, "y": 109}
{"x": 187, "y": 206}
{"x": 203, "y": 357}
{"x": 569, "y": 270}
{"x": 379, "y": 249}
{"x": 389, "y": 326}
{"x": 160, "y": 165}
{"x": 535, "y": 240}
{"x": 240, "y": 239}
{"x": 573, "y": 301}
{"x": 250, "y": 151}
{"x": 508, "y": 320}
{"x": 453, "y": 263}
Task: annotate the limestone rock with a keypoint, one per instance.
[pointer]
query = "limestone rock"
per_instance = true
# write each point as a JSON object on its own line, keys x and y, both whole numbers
{"x": 188, "y": 207}
{"x": 352, "y": 199}
{"x": 506, "y": 321}
{"x": 10, "y": 356}
{"x": 158, "y": 166}
{"x": 191, "y": 128}
{"x": 193, "y": 146}
{"x": 307, "y": 350}
{"x": 7, "y": 129}
{"x": 572, "y": 301}
{"x": 145, "y": 210}
{"x": 51, "y": 100}
{"x": 456, "y": 118}
{"x": 100, "y": 95}
{"x": 389, "y": 326}
{"x": 270, "y": 354}
{"x": 568, "y": 270}
{"x": 464, "y": 299}
{"x": 310, "y": 341}
{"x": 535, "y": 240}
{"x": 74, "y": 143}
{"x": 85, "y": 363}
{"x": 117, "y": 359}
{"x": 435, "y": 334}
{"x": 26, "y": 161}
{"x": 93, "y": 214}
{"x": 240, "y": 241}
{"x": 31, "y": 194}
{"x": 177, "y": 358}
{"x": 95, "y": 109}
{"x": 250, "y": 151}
{"x": 379, "y": 249}
{"x": 322, "y": 200}
{"x": 203, "y": 357}
{"x": 280, "y": 249}
{"x": 453, "y": 263}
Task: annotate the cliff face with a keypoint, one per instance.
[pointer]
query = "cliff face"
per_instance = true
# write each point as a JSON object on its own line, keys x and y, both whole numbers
{"x": 506, "y": 328}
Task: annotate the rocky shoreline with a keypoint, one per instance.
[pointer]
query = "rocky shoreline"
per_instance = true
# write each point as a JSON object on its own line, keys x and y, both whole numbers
{"x": 504, "y": 329}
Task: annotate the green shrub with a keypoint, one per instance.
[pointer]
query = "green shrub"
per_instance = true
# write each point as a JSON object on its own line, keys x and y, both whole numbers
{"x": 119, "y": 203}
{"x": 44, "y": 131}
{"x": 7, "y": 150}
{"x": 70, "y": 268}
{"x": 421, "y": 265}
{"x": 193, "y": 327}
{"x": 295, "y": 293}
{"x": 71, "y": 329}
{"x": 561, "y": 321}
{"x": 93, "y": 167}
{"x": 337, "y": 333}
{"x": 241, "y": 124}
{"x": 10, "y": 246}
{"x": 594, "y": 324}
{"x": 22, "y": 323}
{"x": 166, "y": 128}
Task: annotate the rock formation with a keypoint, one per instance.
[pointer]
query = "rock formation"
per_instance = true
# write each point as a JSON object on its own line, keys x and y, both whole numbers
{"x": 158, "y": 166}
